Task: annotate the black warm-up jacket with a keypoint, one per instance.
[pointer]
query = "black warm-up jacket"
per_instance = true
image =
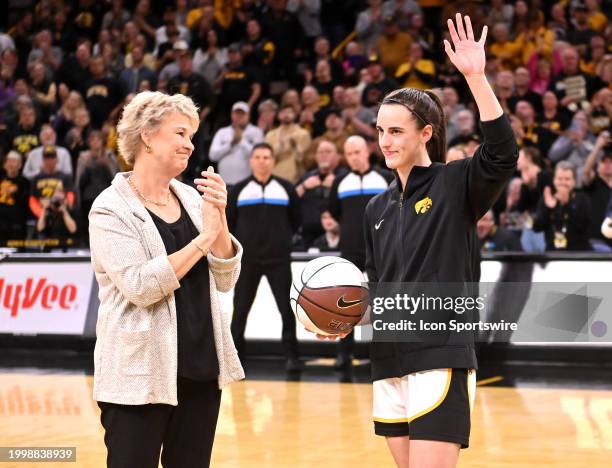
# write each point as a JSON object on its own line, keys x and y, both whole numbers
{"x": 425, "y": 234}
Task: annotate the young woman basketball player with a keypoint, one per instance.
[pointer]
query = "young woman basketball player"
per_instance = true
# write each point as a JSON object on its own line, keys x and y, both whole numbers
{"x": 421, "y": 230}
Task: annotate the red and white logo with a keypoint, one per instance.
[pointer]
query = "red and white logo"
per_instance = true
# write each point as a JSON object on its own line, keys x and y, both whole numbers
{"x": 36, "y": 293}
{"x": 44, "y": 297}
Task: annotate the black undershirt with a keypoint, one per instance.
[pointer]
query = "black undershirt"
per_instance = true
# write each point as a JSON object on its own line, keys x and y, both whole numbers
{"x": 197, "y": 356}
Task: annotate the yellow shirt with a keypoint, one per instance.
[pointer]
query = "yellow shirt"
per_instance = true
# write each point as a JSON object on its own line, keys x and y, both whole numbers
{"x": 224, "y": 11}
{"x": 588, "y": 67}
{"x": 393, "y": 51}
{"x": 406, "y": 76}
{"x": 598, "y": 21}
{"x": 508, "y": 54}
{"x": 193, "y": 17}
{"x": 542, "y": 43}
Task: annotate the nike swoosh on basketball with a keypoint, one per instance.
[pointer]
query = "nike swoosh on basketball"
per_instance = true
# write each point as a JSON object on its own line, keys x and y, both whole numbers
{"x": 344, "y": 304}
{"x": 377, "y": 225}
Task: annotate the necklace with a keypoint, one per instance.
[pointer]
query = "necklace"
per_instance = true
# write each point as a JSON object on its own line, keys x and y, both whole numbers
{"x": 145, "y": 199}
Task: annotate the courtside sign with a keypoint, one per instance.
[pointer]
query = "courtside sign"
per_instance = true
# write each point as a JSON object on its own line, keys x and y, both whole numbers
{"x": 44, "y": 298}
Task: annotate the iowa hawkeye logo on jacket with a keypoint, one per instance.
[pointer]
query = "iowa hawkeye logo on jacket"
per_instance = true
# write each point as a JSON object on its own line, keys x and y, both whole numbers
{"x": 423, "y": 205}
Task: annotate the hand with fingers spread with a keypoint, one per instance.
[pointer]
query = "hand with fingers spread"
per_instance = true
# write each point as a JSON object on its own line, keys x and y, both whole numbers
{"x": 214, "y": 194}
{"x": 469, "y": 54}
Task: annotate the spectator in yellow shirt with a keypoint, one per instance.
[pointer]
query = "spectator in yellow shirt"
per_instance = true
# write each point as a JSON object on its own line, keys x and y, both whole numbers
{"x": 503, "y": 48}
{"x": 195, "y": 14}
{"x": 224, "y": 11}
{"x": 537, "y": 38}
{"x": 597, "y": 20}
{"x": 418, "y": 72}
{"x": 393, "y": 46}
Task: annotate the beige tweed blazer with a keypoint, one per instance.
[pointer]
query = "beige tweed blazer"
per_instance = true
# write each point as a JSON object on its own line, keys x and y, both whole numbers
{"x": 135, "y": 356}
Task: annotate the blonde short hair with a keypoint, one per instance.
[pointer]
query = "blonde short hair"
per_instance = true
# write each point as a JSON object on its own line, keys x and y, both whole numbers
{"x": 145, "y": 113}
{"x": 14, "y": 155}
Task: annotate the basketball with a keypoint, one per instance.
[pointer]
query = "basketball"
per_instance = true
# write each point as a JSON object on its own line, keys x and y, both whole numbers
{"x": 330, "y": 296}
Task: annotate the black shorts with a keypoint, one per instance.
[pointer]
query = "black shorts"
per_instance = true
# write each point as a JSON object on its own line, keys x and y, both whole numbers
{"x": 429, "y": 405}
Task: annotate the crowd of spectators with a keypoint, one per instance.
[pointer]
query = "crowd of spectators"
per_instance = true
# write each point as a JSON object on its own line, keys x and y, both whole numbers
{"x": 304, "y": 76}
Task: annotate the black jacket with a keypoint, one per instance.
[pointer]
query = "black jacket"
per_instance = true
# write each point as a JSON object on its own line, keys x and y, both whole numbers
{"x": 348, "y": 198}
{"x": 264, "y": 218}
{"x": 427, "y": 234}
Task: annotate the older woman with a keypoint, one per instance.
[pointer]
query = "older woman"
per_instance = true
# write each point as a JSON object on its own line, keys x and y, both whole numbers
{"x": 160, "y": 252}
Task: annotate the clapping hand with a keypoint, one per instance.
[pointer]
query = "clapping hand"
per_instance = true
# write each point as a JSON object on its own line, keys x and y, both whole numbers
{"x": 237, "y": 135}
{"x": 214, "y": 194}
{"x": 561, "y": 195}
{"x": 312, "y": 182}
{"x": 329, "y": 180}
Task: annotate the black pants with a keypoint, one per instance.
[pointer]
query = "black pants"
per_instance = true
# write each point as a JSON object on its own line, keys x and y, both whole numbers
{"x": 279, "y": 277}
{"x": 135, "y": 434}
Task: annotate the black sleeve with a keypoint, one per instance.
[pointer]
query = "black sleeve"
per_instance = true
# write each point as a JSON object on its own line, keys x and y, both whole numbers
{"x": 541, "y": 220}
{"x": 295, "y": 214}
{"x": 492, "y": 166}
{"x": 523, "y": 202}
{"x": 231, "y": 210}
{"x": 581, "y": 218}
{"x": 370, "y": 264}
{"x": 334, "y": 202}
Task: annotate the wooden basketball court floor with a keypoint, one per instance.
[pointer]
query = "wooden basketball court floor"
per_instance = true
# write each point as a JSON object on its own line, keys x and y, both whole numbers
{"x": 306, "y": 424}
